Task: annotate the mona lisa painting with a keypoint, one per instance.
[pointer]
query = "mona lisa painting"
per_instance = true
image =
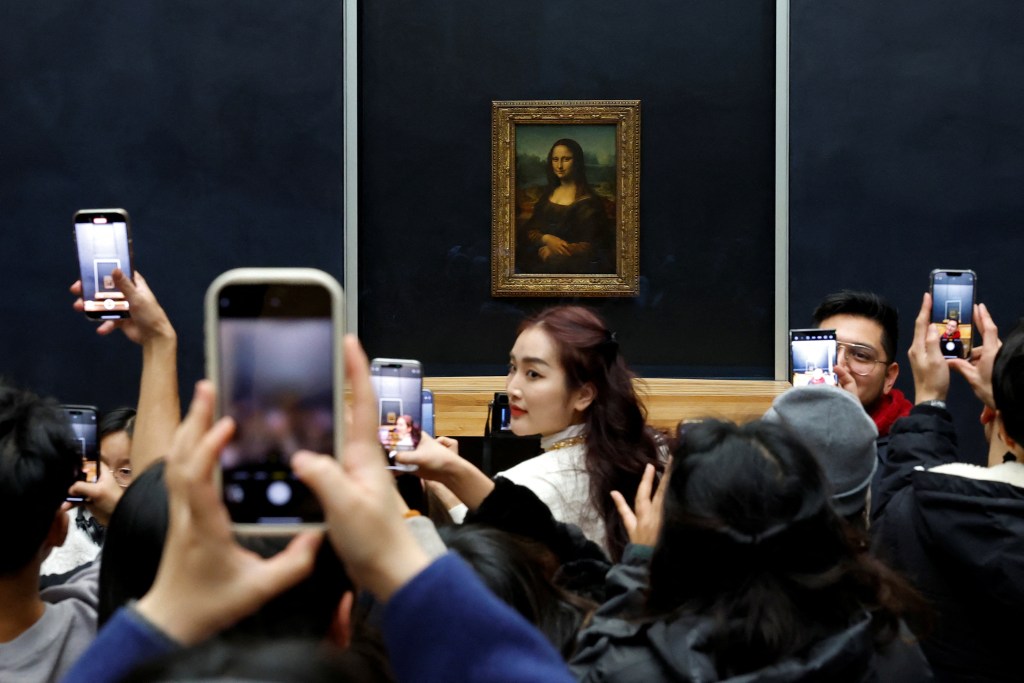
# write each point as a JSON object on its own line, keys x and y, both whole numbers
{"x": 565, "y": 180}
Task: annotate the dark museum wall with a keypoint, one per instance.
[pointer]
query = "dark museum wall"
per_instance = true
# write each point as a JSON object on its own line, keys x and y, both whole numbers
{"x": 218, "y": 125}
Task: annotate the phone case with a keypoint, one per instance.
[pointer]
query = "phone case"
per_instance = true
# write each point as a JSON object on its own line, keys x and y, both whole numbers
{"x": 298, "y": 276}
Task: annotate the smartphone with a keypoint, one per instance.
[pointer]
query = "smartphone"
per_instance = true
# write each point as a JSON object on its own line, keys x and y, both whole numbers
{"x": 501, "y": 415}
{"x": 398, "y": 383}
{"x": 104, "y": 242}
{"x": 812, "y": 357}
{"x": 273, "y": 351}
{"x": 427, "y": 408}
{"x": 953, "y": 294}
{"x": 85, "y": 428}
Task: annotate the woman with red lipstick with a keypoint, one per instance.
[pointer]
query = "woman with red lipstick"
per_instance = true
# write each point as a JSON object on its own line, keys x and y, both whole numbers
{"x": 568, "y": 383}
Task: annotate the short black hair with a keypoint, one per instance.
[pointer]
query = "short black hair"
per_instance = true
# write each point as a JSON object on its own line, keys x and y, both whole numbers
{"x": 1008, "y": 383}
{"x": 117, "y": 420}
{"x": 867, "y": 305}
{"x": 39, "y": 461}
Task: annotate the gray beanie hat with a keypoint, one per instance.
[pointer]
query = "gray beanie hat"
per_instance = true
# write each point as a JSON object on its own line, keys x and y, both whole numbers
{"x": 834, "y": 425}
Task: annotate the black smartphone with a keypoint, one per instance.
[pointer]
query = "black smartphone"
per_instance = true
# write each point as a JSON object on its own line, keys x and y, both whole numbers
{"x": 812, "y": 357}
{"x": 84, "y": 426}
{"x": 501, "y": 415}
{"x": 953, "y": 295}
{"x": 104, "y": 242}
{"x": 398, "y": 383}
{"x": 273, "y": 350}
{"x": 427, "y": 408}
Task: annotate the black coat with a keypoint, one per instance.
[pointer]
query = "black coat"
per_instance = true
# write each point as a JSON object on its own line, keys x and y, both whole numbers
{"x": 958, "y": 534}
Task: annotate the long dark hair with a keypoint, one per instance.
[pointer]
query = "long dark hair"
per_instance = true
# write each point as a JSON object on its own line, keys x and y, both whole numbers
{"x": 619, "y": 443}
{"x": 579, "y": 167}
{"x": 749, "y": 538}
{"x": 520, "y": 571}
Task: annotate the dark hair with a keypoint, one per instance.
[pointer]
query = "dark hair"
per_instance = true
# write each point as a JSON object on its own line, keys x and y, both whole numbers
{"x": 579, "y": 167}
{"x": 520, "y": 571}
{"x": 749, "y": 538}
{"x": 39, "y": 461}
{"x": 135, "y": 543}
{"x": 117, "y": 420}
{"x": 412, "y": 426}
{"x": 619, "y": 443}
{"x": 272, "y": 661}
{"x": 1008, "y": 383}
{"x": 866, "y": 305}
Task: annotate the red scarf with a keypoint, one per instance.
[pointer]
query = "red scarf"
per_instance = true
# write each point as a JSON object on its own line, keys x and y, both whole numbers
{"x": 890, "y": 407}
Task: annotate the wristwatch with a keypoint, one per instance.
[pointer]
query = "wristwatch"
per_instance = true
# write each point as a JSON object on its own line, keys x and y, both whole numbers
{"x": 934, "y": 403}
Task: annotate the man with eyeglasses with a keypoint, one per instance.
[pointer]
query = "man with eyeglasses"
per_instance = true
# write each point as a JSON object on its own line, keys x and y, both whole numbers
{"x": 867, "y": 331}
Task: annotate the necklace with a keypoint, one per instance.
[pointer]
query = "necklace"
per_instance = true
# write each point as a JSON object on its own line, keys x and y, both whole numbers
{"x": 566, "y": 443}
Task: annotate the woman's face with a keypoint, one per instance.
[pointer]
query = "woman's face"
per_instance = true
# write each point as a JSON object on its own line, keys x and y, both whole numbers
{"x": 561, "y": 162}
{"x": 401, "y": 426}
{"x": 539, "y": 400}
{"x": 115, "y": 454}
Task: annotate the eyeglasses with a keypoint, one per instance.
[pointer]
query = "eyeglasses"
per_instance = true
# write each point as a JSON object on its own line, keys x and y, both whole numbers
{"x": 860, "y": 359}
{"x": 123, "y": 476}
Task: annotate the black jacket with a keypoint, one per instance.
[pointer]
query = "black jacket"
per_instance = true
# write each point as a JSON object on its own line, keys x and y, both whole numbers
{"x": 957, "y": 532}
{"x": 620, "y": 647}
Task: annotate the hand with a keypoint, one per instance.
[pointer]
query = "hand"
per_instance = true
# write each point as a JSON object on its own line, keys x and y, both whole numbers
{"x": 644, "y": 525}
{"x": 206, "y": 581}
{"x": 545, "y": 253}
{"x": 442, "y": 463}
{"x": 357, "y": 495}
{"x": 931, "y": 371}
{"x": 148, "y": 320}
{"x": 101, "y": 497}
{"x": 846, "y": 380}
{"x": 978, "y": 370}
{"x": 557, "y": 245}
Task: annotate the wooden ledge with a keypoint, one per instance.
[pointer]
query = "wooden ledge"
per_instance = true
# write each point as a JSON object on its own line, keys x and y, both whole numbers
{"x": 460, "y": 403}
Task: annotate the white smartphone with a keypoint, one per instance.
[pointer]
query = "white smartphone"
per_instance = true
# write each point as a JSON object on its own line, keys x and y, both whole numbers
{"x": 274, "y": 353}
{"x": 953, "y": 297}
{"x": 104, "y": 242}
{"x": 398, "y": 383}
{"x": 812, "y": 356}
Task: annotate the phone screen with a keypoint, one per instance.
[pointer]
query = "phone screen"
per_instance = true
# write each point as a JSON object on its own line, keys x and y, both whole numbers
{"x": 427, "y": 406}
{"x": 399, "y": 387}
{"x": 276, "y": 354}
{"x": 813, "y": 356}
{"x": 953, "y": 311}
{"x": 84, "y": 426}
{"x": 501, "y": 414}
{"x": 103, "y": 244}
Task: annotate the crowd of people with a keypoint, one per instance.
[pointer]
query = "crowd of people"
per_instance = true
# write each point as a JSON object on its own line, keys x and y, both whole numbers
{"x": 837, "y": 538}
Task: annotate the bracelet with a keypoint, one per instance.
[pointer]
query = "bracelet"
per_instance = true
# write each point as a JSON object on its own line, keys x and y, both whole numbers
{"x": 409, "y": 514}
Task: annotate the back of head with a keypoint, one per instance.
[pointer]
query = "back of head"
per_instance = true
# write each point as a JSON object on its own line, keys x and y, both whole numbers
{"x": 833, "y": 425}
{"x": 866, "y": 305}
{"x": 520, "y": 572}
{"x": 134, "y": 547}
{"x": 619, "y": 445}
{"x": 1008, "y": 383}
{"x": 752, "y": 504}
{"x": 38, "y": 463}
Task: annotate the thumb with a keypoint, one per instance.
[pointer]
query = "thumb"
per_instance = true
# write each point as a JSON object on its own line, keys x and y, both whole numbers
{"x": 292, "y": 564}
{"x": 322, "y": 474}
{"x": 86, "y": 489}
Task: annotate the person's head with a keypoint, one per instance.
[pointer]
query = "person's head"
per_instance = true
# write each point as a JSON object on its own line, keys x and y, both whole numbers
{"x": 1008, "y": 389}
{"x": 867, "y": 329}
{"x": 566, "y": 369}
{"x": 565, "y": 162}
{"x": 951, "y": 326}
{"x": 834, "y": 426}
{"x": 519, "y": 572}
{"x": 134, "y": 546}
{"x": 778, "y": 568}
{"x": 116, "y": 428}
{"x": 39, "y": 460}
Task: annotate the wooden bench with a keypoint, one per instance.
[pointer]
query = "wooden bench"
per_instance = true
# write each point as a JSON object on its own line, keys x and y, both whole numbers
{"x": 460, "y": 403}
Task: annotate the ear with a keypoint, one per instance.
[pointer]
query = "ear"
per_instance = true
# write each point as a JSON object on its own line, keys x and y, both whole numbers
{"x": 891, "y": 373}
{"x": 584, "y": 396}
{"x": 1015, "y": 447}
{"x": 58, "y": 532}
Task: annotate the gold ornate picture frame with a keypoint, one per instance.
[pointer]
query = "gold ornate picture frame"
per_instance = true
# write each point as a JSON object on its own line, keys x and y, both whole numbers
{"x": 565, "y": 191}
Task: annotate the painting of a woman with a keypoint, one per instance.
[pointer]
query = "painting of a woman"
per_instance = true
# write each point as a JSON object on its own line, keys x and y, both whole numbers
{"x": 569, "y": 230}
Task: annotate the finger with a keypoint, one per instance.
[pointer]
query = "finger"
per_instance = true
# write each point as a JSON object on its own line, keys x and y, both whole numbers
{"x": 622, "y": 507}
{"x": 85, "y": 489}
{"x": 449, "y": 443}
{"x": 364, "y": 401}
{"x": 79, "y": 305}
{"x": 923, "y": 320}
{"x": 987, "y": 325}
{"x": 291, "y": 565}
{"x": 658, "y": 501}
{"x": 643, "y": 491}
{"x": 845, "y": 378}
{"x": 124, "y": 283}
{"x": 76, "y": 288}
{"x": 323, "y": 475}
{"x": 106, "y": 327}
{"x": 965, "y": 368}
{"x": 197, "y": 421}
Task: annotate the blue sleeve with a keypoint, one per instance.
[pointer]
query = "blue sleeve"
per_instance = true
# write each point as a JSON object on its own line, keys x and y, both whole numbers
{"x": 445, "y": 626}
{"x": 126, "y": 641}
